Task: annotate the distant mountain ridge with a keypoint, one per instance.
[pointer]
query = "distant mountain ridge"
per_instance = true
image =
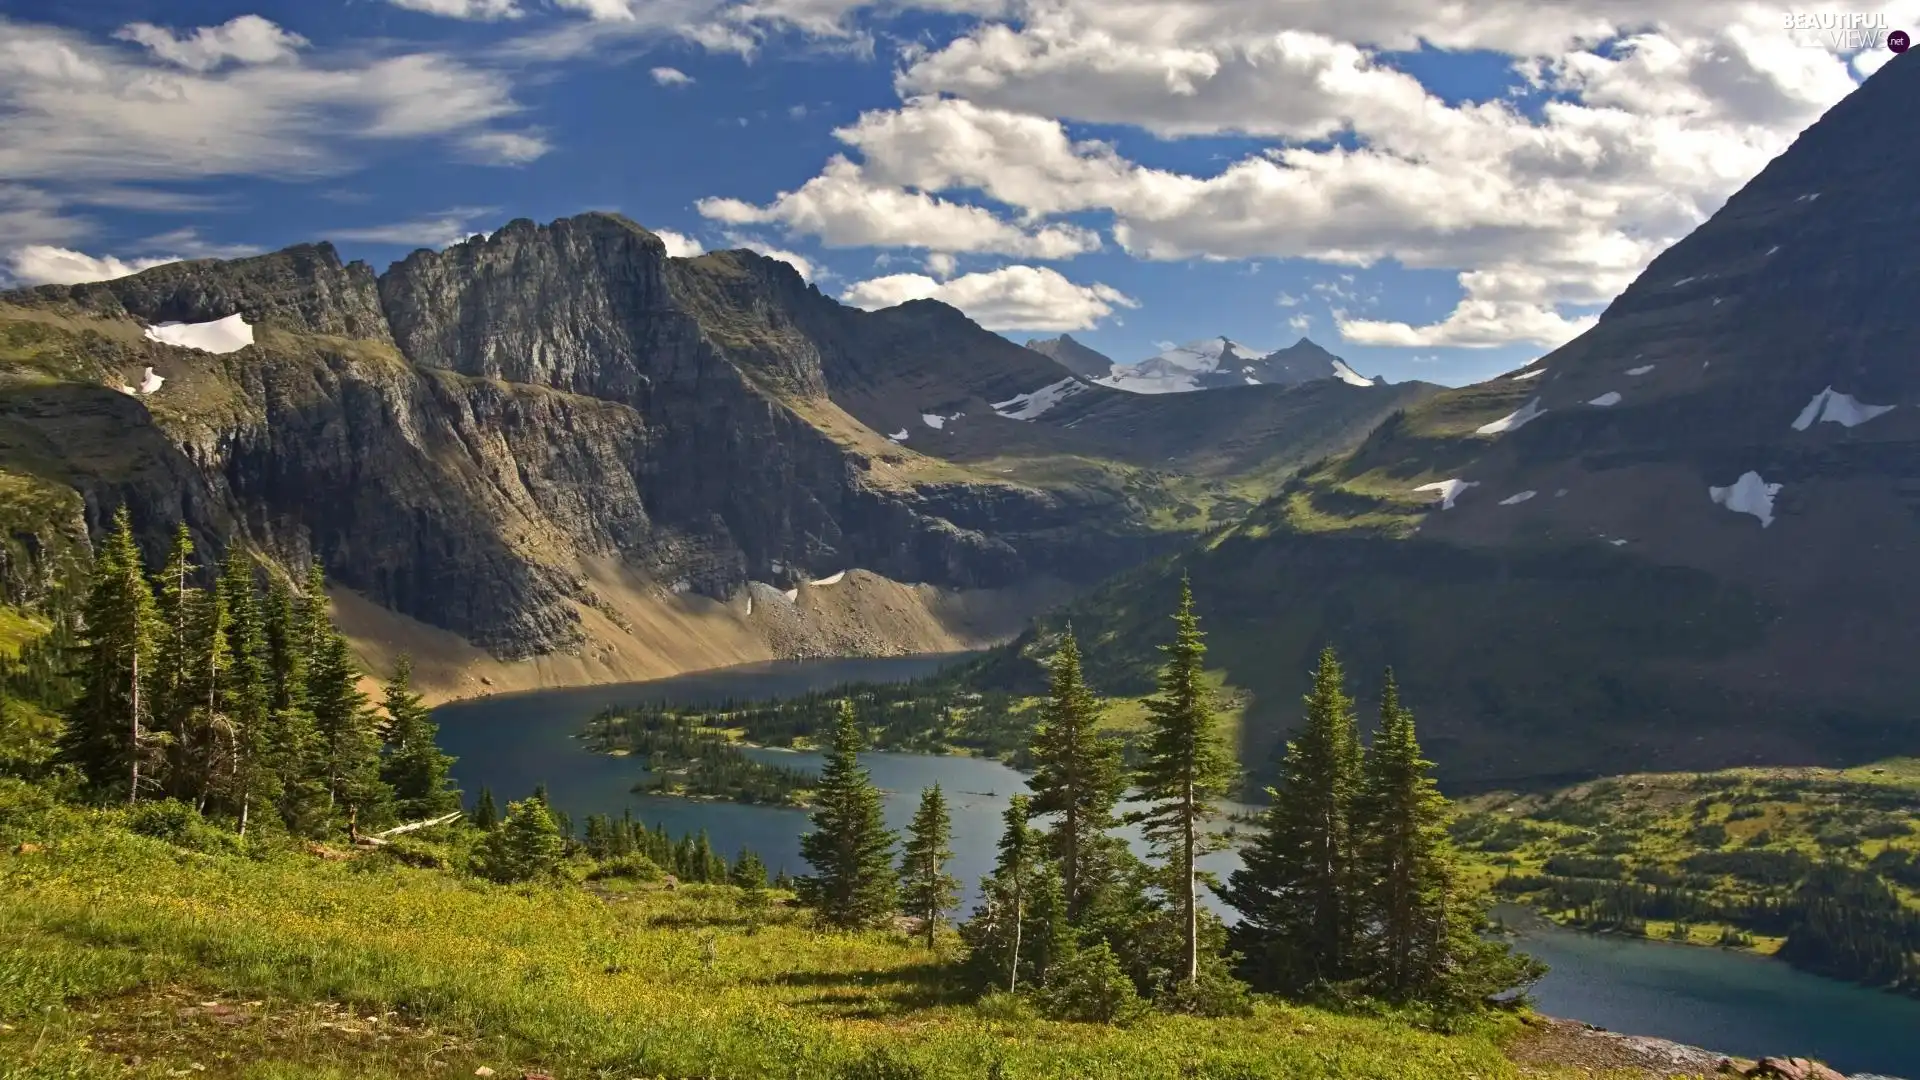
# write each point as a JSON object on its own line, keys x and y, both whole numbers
{"x": 556, "y": 444}
{"x": 1220, "y": 362}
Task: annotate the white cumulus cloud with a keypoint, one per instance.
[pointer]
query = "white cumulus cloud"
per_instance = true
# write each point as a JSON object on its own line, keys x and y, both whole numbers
{"x": 667, "y": 76}
{"x": 42, "y": 264}
{"x": 1010, "y": 298}
{"x": 843, "y": 208}
{"x": 679, "y": 245}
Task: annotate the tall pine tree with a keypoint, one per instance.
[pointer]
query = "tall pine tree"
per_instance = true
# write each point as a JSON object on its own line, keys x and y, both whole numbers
{"x": 850, "y": 847}
{"x": 415, "y": 768}
{"x": 1185, "y": 768}
{"x": 928, "y": 891}
{"x": 202, "y": 741}
{"x": 1296, "y": 888}
{"x": 176, "y": 601}
{"x": 249, "y": 781}
{"x": 348, "y": 727}
{"x": 293, "y": 742}
{"x": 1399, "y": 824}
{"x": 109, "y": 736}
{"x": 1078, "y": 777}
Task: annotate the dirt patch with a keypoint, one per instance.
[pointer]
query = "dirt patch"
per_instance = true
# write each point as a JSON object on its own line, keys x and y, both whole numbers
{"x": 1554, "y": 1042}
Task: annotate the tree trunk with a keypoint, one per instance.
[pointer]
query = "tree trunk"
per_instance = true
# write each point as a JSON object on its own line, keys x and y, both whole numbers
{"x": 1190, "y": 894}
{"x": 133, "y": 785}
{"x": 1019, "y": 920}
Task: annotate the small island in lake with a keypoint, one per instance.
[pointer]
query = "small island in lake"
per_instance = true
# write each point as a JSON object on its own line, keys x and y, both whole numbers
{"x": 685, "y": 756}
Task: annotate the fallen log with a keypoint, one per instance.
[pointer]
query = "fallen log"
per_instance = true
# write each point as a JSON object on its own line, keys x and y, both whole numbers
{"x": 380, "y": 838}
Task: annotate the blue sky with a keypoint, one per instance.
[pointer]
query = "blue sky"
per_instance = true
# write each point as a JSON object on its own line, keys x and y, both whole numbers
{"x": 1285, "y": 170}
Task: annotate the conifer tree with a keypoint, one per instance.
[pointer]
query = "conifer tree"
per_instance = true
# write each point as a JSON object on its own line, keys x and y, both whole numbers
{"x": 249, "y": 780}
{"x": 850, "y": 847}
{"x": 1186, "y": 767}
{"x": 1400, "y": 822}
{"x": 202, "y": 744}
{"x": 484, "y": 815}
{"x": 1296, "y": 887}
{"x": 526, "y": 847}
{"x": 293, "y": 743}
{"x": 1078, "y": 777}
{"x": 748, "y": 871}
{"x": 415, "y": 768}
{"x": 928, "y": 891}
{"x": 349, "y": 728}
{"x": 1020, "y": 930}
{"x": 174, "y": 611}
{"x": 109, "y": 736}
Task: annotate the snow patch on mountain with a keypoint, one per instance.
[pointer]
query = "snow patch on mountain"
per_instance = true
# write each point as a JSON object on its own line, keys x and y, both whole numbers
{"x": 1033, "y": 405}
{"x": 1611, "y": 397}
{"x": 1834, "y": 407}
{"x": 1349, "y": 376}
{"x": 1449, "y": 490}
{"x": 1748, "y": 495}
{"x": 230, "y": 334}
{"x": 1514, "y": 420}
{"x": 933, "y": 420}
{"x": 1516, "y": 500}
{"x": 1641, "y": 370}
{"x": 898, "y": 436}
{"x": 1534, "y": 374}
{"x": 831, "y": 579}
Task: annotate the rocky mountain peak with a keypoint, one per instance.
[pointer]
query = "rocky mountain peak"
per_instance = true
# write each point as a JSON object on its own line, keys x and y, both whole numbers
{"x": 1074, "y": 356}
{"x": 302, "y": 289}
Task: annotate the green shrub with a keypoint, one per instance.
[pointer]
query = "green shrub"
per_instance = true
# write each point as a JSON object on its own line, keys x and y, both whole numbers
{"x": 421, "y": 853}
{"x": 634, "y": 867}
{"x": 1091, "y": 987}
{"x": 182, "y": 826}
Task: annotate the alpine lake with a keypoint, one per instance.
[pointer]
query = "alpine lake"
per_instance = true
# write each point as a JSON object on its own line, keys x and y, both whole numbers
{"x": 1724, "y": 1001}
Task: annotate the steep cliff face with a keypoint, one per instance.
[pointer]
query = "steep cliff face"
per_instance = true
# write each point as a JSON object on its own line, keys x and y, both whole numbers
{"x": 558, "y": 441}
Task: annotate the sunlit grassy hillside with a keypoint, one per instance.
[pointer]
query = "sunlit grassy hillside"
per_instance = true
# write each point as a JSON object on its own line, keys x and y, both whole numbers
{"x": 126, "y": 955}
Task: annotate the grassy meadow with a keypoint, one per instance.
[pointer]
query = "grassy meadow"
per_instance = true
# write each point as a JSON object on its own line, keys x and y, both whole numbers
{"x": 124, "y": 955}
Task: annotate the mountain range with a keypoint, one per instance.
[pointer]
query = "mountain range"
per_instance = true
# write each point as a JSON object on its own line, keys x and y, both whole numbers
{"x": 1209, "y": 364}
{"x": 1685, "y": 539}
{"x": 554, "y": 454}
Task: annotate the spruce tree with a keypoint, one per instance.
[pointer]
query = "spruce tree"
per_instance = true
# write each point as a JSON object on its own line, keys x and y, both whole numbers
{"x": 1185, "y": 768}
{"x": 293, "y": 743}
{"x": 1400, "y": 835}
{"x": 1078, "y": 777}
{"x": 484, "y": 815}
{"x": 526, "y": 847}
{"x": 1020, "y": 930}
{"x": 1427, "y": 933}
{"x": 349, "y": 728}
{"x": 1295, "y": 890}
{"x": 203, "y": 744}
{"x": 109, "y": 734}
{"x": 175, "y": 606}
{"x": 748, "y": 871}
{"x": 249, "y": 781}
{"x": 415, "y": 768}
{"x": 928, "y": 891}
{"x": 850, "y": 847}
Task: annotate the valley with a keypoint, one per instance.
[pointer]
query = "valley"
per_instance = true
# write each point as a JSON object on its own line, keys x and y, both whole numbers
{"x": 575, "y": 650}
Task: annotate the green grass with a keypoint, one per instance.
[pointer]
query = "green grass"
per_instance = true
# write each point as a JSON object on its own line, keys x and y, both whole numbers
{"x": 113, "y": 945}
{"x": 17, "y": 627}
